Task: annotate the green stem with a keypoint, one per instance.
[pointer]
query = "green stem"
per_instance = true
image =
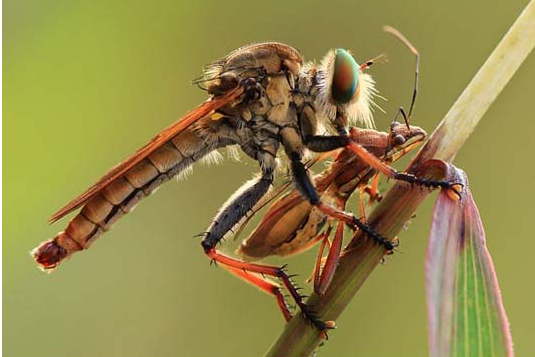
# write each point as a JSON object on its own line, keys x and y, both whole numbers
{"x": 359, "y": 258}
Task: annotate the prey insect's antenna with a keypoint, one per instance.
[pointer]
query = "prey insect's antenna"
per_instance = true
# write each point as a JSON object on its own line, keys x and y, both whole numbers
{"x": 413, "y": 49}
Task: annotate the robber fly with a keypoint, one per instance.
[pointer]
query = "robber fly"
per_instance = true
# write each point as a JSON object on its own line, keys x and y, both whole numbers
{"x": 261, "y": 97}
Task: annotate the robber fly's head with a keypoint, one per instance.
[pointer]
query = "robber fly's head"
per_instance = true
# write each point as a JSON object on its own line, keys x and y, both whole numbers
{"x": 403, "y": 139}
{"x": 345, "y": 88}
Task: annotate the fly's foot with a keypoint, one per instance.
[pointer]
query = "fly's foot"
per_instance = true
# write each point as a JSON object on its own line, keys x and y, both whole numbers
{"x": 313, "y": 319}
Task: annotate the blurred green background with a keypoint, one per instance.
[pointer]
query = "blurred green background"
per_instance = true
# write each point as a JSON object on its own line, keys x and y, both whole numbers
{"x": 88, "y": 82}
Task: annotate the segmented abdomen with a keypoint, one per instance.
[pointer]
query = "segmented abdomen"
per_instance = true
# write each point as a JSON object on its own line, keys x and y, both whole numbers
{"x": 119, "y": 197}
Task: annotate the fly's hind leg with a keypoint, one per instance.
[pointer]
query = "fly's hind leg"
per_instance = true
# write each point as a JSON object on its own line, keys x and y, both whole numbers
{"x": 229, "y": 215}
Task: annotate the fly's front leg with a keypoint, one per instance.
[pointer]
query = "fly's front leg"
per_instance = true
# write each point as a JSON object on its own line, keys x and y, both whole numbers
{"x": 327, "y": 143}
{"x": 390, "y": 172}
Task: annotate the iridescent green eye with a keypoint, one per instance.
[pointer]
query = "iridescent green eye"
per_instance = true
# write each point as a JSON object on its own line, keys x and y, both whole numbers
{"x": 345, "y": 77}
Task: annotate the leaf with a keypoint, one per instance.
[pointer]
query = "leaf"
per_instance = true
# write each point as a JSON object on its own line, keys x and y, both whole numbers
{"x": 466, "y": 316}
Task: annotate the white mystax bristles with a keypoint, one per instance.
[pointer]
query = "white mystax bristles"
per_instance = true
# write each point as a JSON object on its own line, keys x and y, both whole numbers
{"x": 358, "y": 110}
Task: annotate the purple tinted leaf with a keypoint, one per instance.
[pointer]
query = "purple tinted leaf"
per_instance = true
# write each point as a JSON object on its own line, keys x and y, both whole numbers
{"x": 465, "y": 311}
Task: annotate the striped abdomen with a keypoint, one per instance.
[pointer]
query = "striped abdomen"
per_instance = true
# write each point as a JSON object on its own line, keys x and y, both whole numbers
{"x": 120, "y": 196}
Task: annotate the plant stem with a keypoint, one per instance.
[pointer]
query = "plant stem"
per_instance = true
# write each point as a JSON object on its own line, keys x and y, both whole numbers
{"x": 361, "y": 256}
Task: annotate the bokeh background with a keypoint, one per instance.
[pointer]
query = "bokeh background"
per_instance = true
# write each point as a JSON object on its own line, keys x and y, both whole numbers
{"x": 88, "y": 82}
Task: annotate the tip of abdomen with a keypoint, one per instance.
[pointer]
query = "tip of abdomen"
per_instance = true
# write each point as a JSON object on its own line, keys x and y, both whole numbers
{"x": 49, "y": 254}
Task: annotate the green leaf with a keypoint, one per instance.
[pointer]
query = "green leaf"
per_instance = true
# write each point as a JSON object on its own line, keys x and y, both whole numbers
{"x": 466, "y": 313}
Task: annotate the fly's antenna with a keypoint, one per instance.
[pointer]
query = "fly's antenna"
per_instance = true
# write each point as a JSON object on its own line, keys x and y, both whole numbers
{"x": 414, "y": 51}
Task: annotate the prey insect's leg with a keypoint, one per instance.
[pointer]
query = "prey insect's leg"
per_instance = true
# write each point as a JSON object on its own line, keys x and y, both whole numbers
{"x": 265, "y": 285}
{"x": 319, "y": 259}
{"x": 277, "y": 272}
{"x": 327, "y": 273}
{"x": 307, "y": 189}
{"x": 373, "y": 191}
{"x": 362, "y": 207}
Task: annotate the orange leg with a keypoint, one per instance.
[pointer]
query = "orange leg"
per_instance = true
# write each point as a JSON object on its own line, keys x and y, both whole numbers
{"x": 362, "y": 207}
{"x": 331, "y": 263}
{"x": 319, "y": 260}
{"x": 389, "y": 171}
{"x": 373, "y": 192}
{"x": 277, "y": 272}
{"x": 265, "y": 285}
{"x": 352, "y": 221}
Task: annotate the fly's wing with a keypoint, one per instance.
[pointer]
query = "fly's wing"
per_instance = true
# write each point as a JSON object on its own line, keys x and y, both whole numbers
{"x": 168, "y": 154}
{"x": 156, "y": 142}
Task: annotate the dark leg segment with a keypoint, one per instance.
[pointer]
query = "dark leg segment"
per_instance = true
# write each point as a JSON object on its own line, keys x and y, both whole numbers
{"x": 320, "y": 143}
{"x": 236, "y": 209}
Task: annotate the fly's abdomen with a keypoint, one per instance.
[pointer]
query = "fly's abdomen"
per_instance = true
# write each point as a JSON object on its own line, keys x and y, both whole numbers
{"x": 119, "y": 197}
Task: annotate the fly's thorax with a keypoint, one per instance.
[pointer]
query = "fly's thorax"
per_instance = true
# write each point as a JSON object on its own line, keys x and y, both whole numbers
{"x": 272, "y": 56}
{"x": 251, "y": 61}
{"x": 279, "y": 94}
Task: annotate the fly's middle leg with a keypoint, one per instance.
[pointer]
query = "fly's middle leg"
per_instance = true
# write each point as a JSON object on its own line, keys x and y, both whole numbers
{"x": 305, "y": 186}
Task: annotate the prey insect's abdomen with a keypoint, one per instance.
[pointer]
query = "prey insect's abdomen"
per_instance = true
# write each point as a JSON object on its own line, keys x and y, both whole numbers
{"x": 119, "y": 197}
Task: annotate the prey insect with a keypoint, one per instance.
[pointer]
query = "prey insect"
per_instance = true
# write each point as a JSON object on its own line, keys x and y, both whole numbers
{"x": 262, "y": 97}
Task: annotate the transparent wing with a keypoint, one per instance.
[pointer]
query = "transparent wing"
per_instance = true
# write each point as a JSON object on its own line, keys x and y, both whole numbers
{"x": 158, "y": 141}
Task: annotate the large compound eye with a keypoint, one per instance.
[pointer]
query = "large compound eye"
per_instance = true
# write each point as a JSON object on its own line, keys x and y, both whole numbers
{"x": 345, "y": 77}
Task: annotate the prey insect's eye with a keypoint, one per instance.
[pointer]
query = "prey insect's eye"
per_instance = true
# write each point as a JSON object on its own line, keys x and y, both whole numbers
{"x": 398, "y": 140}
{"x": 345, "y": 78}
